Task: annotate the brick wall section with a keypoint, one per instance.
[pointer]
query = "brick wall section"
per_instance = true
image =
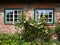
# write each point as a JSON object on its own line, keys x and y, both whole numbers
{"x": 57, "y": 16}
{"x": 57, "y": 12}
{"x": 27, "y": 11}
{"x": 5, "y": 28}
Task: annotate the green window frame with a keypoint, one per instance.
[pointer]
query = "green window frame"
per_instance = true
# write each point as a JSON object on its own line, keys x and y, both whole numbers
{"x": 38, "y": 12}
{"x": 12, "y": 15}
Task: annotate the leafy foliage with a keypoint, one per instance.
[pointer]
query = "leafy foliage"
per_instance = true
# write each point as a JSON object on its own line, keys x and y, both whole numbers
{"x": 16, "y": 39}
{"x": 34, "y": 29}
{"x": 57, "y": 29}
{"x": 34, "y": 32}
{"x": 9, "y": 39}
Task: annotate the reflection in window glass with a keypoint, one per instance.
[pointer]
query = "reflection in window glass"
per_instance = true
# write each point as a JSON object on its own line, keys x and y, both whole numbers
{"x": 12, "y": 15}
{"x": 48, "y": 14}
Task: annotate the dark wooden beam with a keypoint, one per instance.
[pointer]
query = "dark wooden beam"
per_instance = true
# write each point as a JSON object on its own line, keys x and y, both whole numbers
{"x": 29, "y": 1}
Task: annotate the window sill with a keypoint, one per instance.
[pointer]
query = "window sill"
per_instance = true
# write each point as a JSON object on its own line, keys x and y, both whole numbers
{"x": 50, "y": 24}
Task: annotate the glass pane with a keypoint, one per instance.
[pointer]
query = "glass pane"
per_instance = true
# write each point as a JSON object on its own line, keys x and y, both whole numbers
{"x": 41, "y": 15}
{"x": 11, "y": 16}
{"x": 9, "y": 11}
{"x": 11, "y": 19}
{"x": 50, "y": 20}
{"x": 7, "y": 19}
{"x": 15, "y": 16}
{"x": 50, "y": 16}
{"x": 37, "y": 12}
{"x": 15, "y": 19}
{"x": 19, "y": 12}
{"x": 7, "y": 16}
{"x": 50, "y": 12}
{"x": 15, "y": 12}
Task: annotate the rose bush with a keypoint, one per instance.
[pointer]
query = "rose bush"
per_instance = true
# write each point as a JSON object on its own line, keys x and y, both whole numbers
{"x": 34, "y": 29}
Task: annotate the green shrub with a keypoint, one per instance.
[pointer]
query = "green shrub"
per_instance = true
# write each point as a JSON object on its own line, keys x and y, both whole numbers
{"x": 9, "y": 39}
{"x": 57, "y": 29}
{"x": 34, "y": 29}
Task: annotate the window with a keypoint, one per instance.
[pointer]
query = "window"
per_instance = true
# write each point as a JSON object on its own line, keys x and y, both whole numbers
{"x": 49, "y": 14}
{"x": 12, "y": 15}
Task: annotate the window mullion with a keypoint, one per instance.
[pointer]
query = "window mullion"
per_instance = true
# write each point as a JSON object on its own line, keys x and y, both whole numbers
{"x": 44, "y": 12}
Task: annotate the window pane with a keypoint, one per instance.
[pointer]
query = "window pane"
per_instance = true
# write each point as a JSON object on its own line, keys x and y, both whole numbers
{"x": 7, "y": 19}
{"x": 11, "y": 16}
{"x": 50, "y": 16}
{"x": 15, "y": 19}
{"x": 9, "y": 11}
{"x": 50, "y": 20}
{"x": 7, "y": 16}
{"x": 15, "y": 12}
{"x": 41, "y": 15}
{"x": 50, "y": 12}
{"x": 19, "y": 12}
{"x": 11, "y": 19}
{"x": 15, "y": 16}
